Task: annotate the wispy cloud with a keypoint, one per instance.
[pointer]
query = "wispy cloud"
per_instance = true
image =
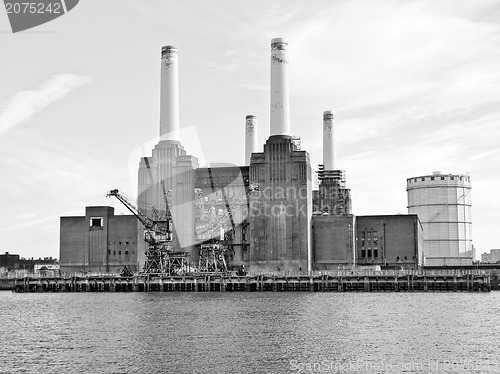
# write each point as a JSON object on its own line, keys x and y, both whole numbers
{"x": 26, "y": 103}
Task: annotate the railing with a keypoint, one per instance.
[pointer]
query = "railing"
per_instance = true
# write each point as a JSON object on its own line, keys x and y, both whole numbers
{"x": 382, "y": 273}
{"x": 331, "y": 273}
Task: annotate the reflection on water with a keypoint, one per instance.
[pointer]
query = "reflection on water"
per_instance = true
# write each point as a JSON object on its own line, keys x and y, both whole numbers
{"x": 249, "y": 332}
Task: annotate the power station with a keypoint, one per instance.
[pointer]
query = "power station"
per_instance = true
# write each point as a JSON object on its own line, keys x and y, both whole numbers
{"x": 263, "y": 216}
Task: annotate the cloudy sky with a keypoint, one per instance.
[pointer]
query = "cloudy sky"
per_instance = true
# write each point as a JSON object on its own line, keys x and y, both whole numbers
{"x": 415, "y": 87}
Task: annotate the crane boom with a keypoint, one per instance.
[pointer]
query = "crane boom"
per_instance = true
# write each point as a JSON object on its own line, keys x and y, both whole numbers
{"x": 161, "y": 226}
{"x": 147, "y": 222}
{"x": 158, "y": 236}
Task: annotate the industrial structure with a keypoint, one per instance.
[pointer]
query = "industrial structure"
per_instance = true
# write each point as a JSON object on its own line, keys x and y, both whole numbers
{"x": 263, "y": 216}
{"x": 99, "y": 241}
{"x": 443, "y": 204}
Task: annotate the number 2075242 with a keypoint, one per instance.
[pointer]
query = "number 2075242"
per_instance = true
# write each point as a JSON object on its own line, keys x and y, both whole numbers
{"x": 35, "y": 7}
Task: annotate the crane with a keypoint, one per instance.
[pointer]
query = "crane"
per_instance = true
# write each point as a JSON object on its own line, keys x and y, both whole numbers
{"x": 160, "y": 258}
{"x": 216, "y": 232}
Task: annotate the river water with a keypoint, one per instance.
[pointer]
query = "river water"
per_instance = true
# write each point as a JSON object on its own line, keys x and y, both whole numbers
{"x": 299, "y": 332}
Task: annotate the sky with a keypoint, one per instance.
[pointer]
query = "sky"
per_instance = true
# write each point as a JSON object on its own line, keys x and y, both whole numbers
{"x": 414, "y": 85}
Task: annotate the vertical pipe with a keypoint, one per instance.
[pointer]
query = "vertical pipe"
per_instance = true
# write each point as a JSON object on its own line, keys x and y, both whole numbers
{"x": 280, "y": 110}
{"x": 169, "y": 94}
{"x": 250, "y": 137}
{"x": 328, "y": 141}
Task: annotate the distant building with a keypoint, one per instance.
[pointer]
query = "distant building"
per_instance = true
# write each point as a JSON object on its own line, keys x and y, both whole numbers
{"x": 493, "y": 257}
{"x": 443, "y": 205}
{"x": 11, "y": 262}
{"x": 98, "y": 241}
{"x": 47, "y": 269}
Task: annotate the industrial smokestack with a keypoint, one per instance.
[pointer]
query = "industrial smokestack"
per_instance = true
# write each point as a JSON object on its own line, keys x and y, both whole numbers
{"x": 169, "y": 94}
{"x": 250, "y": 137}
{"x": 280, "y": 111}
{"x": 328, "y": 141}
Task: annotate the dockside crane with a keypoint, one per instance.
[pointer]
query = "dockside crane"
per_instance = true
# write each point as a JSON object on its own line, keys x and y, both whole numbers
{"x": 217, "y": 233}
{"x": 160, "y": 257}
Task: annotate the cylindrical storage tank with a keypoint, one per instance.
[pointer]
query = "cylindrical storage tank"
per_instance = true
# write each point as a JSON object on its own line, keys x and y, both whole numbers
{"x": 443, "y": 205}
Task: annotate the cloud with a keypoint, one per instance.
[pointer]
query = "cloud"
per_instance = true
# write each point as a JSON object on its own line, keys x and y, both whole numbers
{"x": 26, "y": 103}
{"x": 29, "y": 223}
{"x": 25, "y": 216}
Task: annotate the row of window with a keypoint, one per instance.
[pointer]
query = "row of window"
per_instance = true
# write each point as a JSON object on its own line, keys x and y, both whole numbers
{"x": 452, "y": 178}
{"x": 119, "y": 252}
{"x": 120, "y": 243}
{"x": 369, "y": 234}
{"x": 368, "y": 253}
{"x": 369, "y": 239}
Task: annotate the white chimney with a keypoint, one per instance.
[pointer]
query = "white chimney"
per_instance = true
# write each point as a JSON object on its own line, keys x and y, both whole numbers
{"x": 280, "y": 111}
{"x": 328, "y": 141}
{"x": 169, "y": 94}
{"x": 250, "y": 137}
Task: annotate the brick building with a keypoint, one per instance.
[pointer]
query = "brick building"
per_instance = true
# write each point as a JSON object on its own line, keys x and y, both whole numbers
{"x": 98, "y": 241}
{"x": 389, "y": 240}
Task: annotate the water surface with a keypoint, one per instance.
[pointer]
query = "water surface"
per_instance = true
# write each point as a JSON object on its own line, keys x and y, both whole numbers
{"x": 249, "y": 332}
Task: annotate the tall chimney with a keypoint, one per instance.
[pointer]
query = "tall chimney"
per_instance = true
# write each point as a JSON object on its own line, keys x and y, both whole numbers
{"x": 250, "y": 137}
{"x": 169, "y": 94}
{"x": 328, "y": 141}
{"x": 280, "y": 111}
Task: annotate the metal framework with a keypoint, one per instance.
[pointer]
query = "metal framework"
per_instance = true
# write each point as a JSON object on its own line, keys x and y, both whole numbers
{"x": 158, "y": 230}
{"x": 219, "y": 230}
{"x": 160, "y": 258}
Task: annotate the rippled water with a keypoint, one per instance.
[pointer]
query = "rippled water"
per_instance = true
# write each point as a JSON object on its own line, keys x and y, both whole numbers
{"x": 249, "y": 332}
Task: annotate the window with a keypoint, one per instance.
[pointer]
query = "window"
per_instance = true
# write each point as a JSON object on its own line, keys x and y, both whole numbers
{"x": 363, "y": 253}
{"x": 126, "y": 252}
{"x": 120, "y": 243}
{"x": 442, "y": 178}
{"x": 119, "y": 253}
{"x": 452, "y": 178}
{"x": 109, "y": 251}
{"x": 432, "y": 178}
{"x": 423, "y": 179}
{"x": 375, "y": 253}
{"x": 127, "y": 243}
{"x": 114, "y": 253}
{"x": 96, "y": 221}
{"x": 369, "y": 253}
